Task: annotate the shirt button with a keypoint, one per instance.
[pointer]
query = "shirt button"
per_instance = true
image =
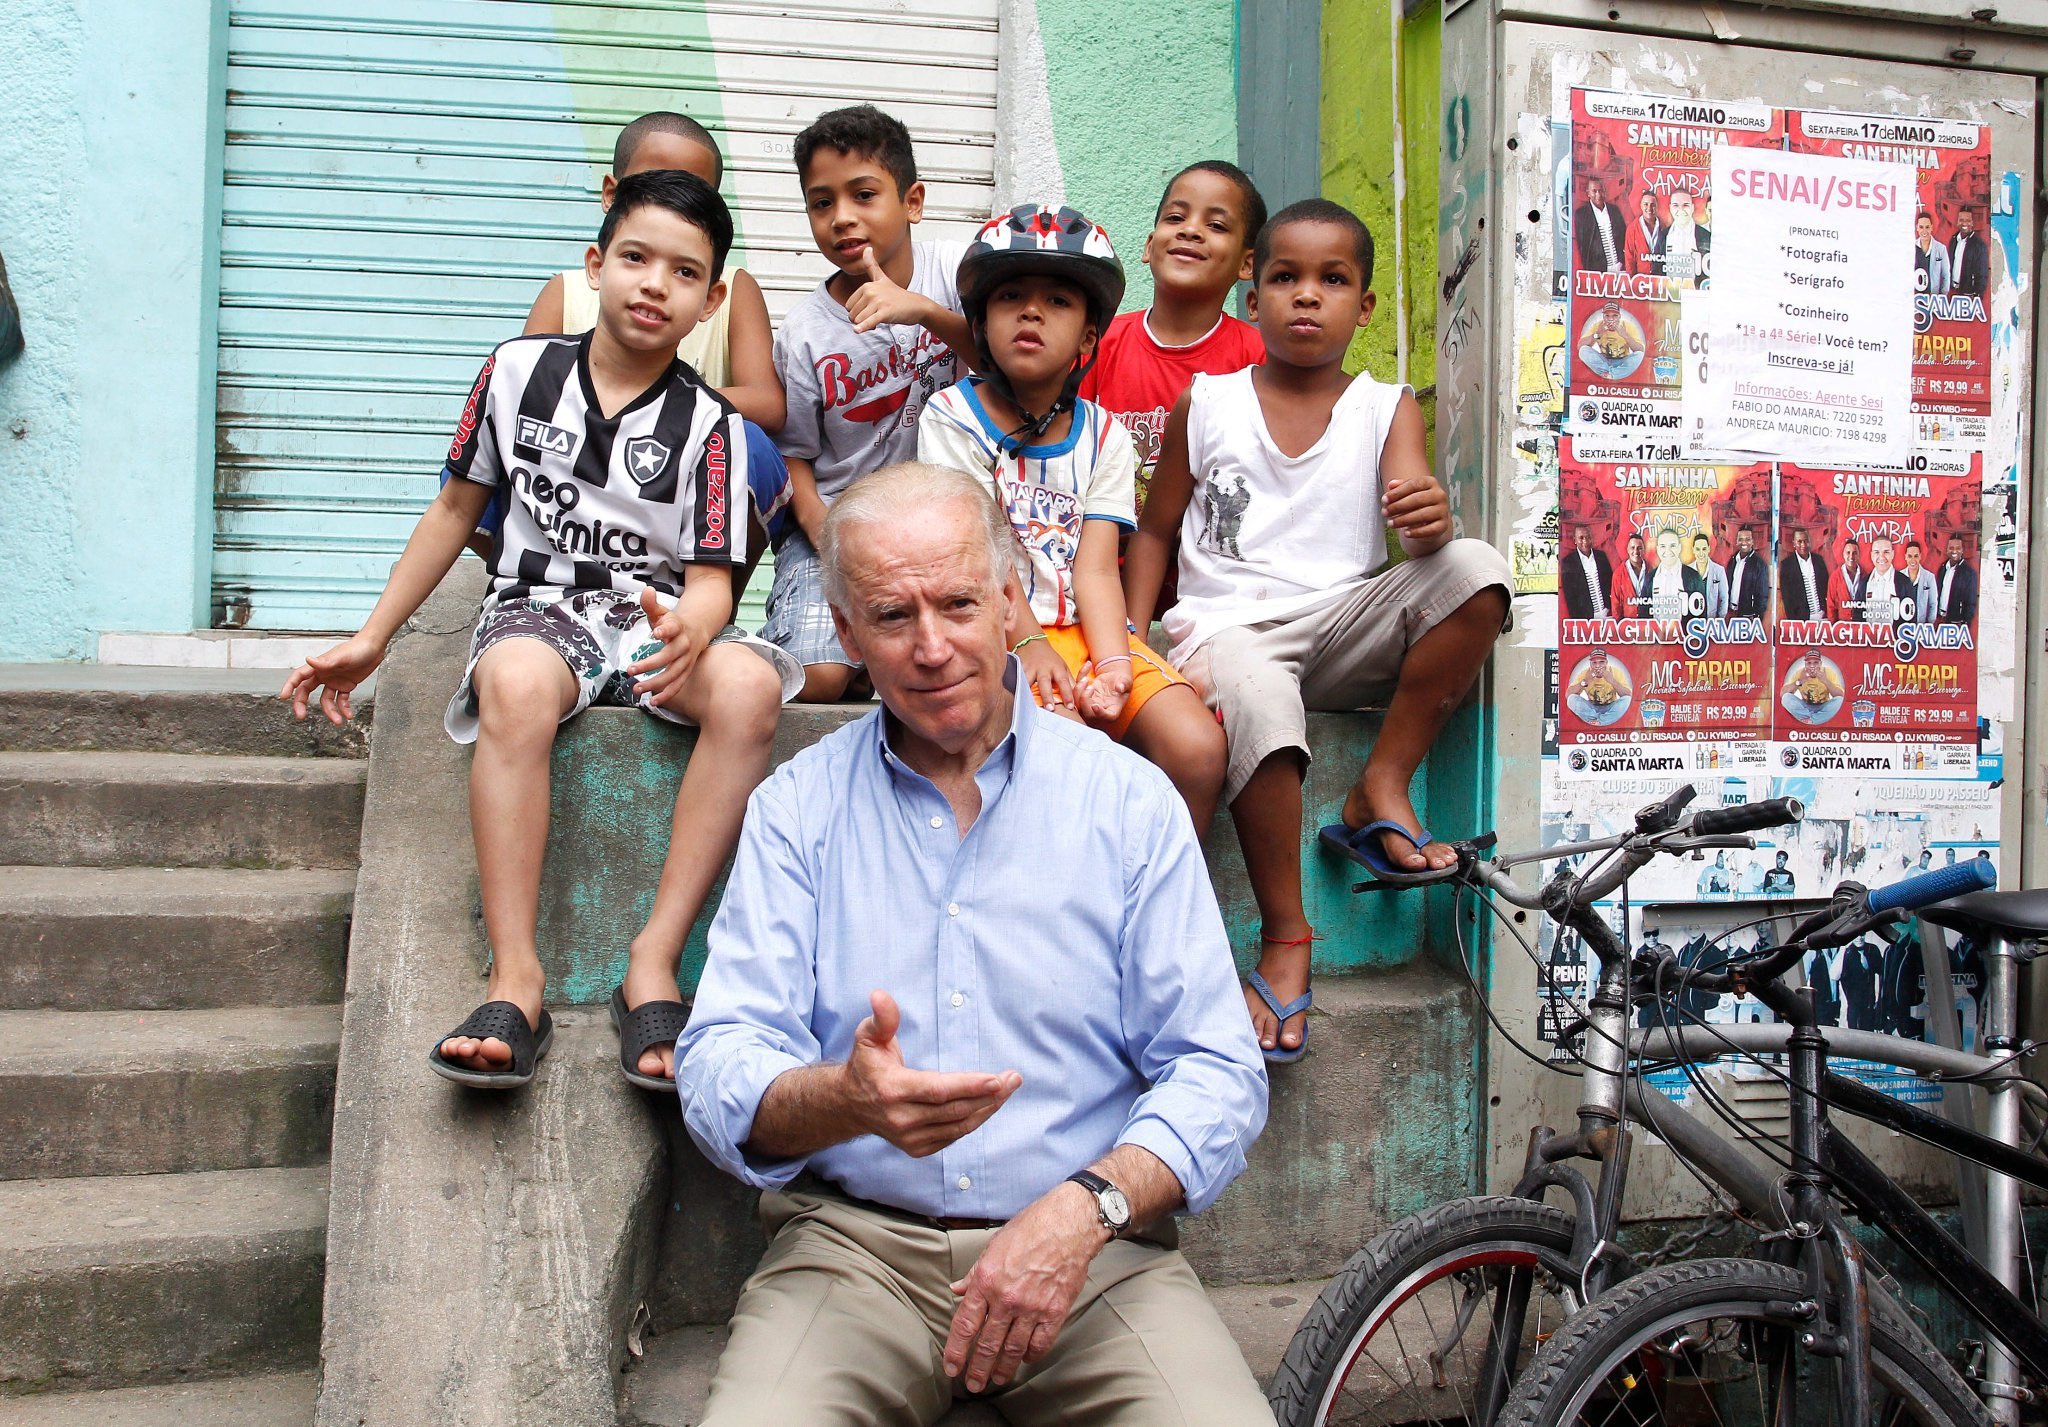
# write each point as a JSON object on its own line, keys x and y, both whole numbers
{"x": 952, "y": 909}
{"x": 938, "y": 822}
{"x": 958, "y": 999}
{"x": 966, "y": 1183}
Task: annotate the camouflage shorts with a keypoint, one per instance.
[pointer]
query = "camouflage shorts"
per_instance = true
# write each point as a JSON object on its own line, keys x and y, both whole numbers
{"x": 597, "y": 633}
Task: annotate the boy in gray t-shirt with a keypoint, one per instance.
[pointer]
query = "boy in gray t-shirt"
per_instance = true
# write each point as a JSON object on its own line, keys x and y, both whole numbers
{"x": 858, "y": 357}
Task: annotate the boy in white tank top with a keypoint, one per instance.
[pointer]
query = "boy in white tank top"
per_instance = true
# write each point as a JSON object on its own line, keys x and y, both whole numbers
{"x": 1282, "y": 481}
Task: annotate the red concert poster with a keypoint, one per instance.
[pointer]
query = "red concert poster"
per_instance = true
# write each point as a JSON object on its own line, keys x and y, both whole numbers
{"x": 1664, "y": 614}
{"x": 1641, "y": 233}
{"x": 1951, "y": 259}
{"x": 1877, "y": 625}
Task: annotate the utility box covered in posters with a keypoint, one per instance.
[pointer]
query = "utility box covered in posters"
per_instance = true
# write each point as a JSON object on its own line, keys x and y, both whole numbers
{"x": 1737, "y": 335}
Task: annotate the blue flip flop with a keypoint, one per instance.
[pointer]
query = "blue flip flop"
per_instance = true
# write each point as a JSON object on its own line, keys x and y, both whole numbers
{"x": 1279, "y": 1054}
{"x": 1362, "y": 845}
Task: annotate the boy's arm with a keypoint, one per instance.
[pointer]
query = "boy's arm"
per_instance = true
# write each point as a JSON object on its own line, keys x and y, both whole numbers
{"x": 1166, "y": 501}
{"x": 685, "y": 630}
{"x": 755, "y": 389}
{"x": 879, "y": 300}
{"x": 1100, "y": 597}
{"x": 805, "y": 504}
{"x": 1415, "y": 505}
{"x": 546, "y": 316}
{"x": 436, "y": 543}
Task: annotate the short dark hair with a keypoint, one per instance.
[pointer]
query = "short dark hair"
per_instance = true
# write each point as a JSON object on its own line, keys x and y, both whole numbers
{"x": 1916, "y": 545}
{"x": 864, "y": 130}
{"x": 1251, "y": 203}
{"x": 1316, "y": 210}
{"x": 684, "y": 194}
{"x": 1852, "y": 543}
{"x": 663, "y": 121}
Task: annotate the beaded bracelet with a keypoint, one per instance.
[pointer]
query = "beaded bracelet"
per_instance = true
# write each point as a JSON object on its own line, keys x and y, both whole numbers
{"x": 1113, "y": 659}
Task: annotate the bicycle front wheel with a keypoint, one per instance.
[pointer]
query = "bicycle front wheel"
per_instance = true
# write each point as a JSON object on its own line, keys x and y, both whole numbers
{"x": 1430, "y": 1321}
{"x": 1715, "y": 1341}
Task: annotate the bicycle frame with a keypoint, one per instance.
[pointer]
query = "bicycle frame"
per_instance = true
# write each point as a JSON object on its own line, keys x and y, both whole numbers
{"x": 1823, "y": 1156}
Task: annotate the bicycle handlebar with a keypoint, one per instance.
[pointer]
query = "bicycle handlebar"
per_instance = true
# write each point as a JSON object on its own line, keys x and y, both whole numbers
{"x": 1975, "y": 875}
{"x": 1747, "y": 817}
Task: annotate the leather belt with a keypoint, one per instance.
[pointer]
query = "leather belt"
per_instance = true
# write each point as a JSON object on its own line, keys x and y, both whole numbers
{"x": 825, "y": 1189}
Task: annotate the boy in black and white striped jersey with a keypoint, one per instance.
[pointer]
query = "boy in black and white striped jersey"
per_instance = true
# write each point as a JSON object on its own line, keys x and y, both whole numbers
{"x": 625, "y": 479}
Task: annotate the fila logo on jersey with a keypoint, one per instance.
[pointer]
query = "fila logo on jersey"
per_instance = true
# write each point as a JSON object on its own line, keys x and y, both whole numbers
{"x": 543, "y": 437}
{"x": 646, "y": 458}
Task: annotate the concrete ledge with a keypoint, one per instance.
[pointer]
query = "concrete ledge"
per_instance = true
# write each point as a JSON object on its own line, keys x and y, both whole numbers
{"x": 273, "y": 1400}
{"x": 485, "y": 1252}
{"x": 615, "y": 777}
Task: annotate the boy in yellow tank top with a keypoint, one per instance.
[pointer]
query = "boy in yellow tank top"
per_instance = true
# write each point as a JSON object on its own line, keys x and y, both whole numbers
{"x": 732, "y": 350}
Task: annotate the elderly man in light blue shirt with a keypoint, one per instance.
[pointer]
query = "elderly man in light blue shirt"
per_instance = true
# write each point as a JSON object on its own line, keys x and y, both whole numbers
{"x": 970, "y": 1019}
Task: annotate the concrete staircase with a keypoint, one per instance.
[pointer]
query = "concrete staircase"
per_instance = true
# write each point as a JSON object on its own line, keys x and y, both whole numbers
{"x": 177, "y": 862}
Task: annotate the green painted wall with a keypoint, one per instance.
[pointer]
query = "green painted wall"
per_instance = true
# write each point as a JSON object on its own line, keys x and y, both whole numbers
{"x": 1358, "y": 166}
{"x": 1120, "y": 141}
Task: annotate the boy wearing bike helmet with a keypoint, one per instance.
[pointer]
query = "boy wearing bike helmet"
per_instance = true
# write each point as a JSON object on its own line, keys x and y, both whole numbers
{"x": 1038, "y": 286}
{"x": 1282, "y": 481}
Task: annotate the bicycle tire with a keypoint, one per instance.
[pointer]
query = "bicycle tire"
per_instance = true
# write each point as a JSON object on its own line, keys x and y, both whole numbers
{"x": 1614, "y": 1361}
{"x": 1467, "y": 1242}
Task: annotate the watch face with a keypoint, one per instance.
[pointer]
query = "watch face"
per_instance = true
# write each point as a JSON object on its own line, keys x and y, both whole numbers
{"x": 1115, "y": 1207}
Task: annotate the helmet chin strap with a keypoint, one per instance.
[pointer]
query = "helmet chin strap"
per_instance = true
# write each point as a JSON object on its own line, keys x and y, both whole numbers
{"x": 1032, "y": 426}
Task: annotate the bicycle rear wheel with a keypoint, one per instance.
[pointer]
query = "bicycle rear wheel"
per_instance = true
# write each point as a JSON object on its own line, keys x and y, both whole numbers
{"x": 1422, "y": 1319}
{"x": 1714, "y": 1341}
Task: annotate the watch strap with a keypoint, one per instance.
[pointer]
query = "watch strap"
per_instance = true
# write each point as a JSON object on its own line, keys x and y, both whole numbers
{"x": 1096, "y": 1185}
{"x": 1090, "y": 1181}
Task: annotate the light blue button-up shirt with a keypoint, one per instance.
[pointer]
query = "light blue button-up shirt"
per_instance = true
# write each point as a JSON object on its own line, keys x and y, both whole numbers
{"x": 1072, "y": 935}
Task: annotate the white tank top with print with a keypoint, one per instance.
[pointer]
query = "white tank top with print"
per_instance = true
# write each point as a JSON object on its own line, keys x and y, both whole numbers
{"x": 1271, "y": 536}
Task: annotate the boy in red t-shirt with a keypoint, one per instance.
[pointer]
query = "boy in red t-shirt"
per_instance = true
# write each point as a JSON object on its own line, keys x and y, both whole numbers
{"x": 1200, "y": 248}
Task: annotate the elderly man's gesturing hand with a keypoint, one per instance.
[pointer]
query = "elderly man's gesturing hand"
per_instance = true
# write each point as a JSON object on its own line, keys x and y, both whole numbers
{"x": 918, "y": 1111}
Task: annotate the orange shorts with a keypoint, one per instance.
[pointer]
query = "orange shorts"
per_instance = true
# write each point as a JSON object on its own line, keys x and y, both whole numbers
{"x": 1149, "y": 673}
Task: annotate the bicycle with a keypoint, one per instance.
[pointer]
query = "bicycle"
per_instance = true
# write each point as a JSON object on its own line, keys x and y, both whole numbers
{"x": 1399, "y": 1334}
{"x": 1702, "y": 1337}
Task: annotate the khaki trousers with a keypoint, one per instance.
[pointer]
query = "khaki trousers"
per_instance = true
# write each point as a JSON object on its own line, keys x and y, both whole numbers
{"x": 846, "y": 1318}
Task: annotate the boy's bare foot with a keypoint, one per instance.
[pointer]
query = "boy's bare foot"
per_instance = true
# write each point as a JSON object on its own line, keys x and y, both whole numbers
{"x": 648, "y": 980}
{"x": 522, "y": 990}
{"x": 1285, "y": 965}
{"x": 1375, "y": 796}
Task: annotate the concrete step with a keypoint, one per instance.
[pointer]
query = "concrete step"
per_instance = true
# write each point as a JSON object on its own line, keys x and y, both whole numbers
{"x": 77, "y": 707}
{"x": 263, "y": 1400}
{"x": 165, "y": 1092}
{"x": 121, "y": 1282}
{"x": 160, "y": 939}
{"x": 178, "y": 810}
{"x": 670, "y": 1385}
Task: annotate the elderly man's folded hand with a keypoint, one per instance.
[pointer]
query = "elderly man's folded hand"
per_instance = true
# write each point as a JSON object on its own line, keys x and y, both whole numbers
{"x": 918, "y": 1111}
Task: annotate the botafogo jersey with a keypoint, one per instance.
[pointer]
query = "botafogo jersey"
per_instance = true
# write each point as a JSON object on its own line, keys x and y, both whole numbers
{"x": 600, "y": 502}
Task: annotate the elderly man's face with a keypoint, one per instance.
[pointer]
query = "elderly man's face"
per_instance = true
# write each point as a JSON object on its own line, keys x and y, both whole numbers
{"x": 926, "y": 615}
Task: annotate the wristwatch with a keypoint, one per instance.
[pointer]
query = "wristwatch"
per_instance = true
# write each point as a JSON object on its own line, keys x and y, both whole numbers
{"x": 1112, "y": 1210}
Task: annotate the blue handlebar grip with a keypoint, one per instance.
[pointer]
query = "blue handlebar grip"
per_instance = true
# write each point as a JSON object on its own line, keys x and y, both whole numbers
{"x": 1976, "y": 875}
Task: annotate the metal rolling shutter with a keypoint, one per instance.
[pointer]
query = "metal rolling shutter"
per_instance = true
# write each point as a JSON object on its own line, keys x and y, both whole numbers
{"x": 402, "y": 175}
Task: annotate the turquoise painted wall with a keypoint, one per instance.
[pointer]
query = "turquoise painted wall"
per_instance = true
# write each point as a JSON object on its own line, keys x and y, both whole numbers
{"x": 1119, "y": 142}
{"x": 106, "y": 421}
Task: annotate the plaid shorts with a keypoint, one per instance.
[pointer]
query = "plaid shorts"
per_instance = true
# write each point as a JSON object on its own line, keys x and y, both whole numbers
{"x": 597, "y": 633}
{"x": 799, "y": 620}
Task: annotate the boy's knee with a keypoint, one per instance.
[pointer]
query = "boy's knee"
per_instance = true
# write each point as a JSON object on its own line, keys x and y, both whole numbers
{"x": 825, "y": 683}
{"x": 519, "y": 694}
{"x": 745, "y": 694}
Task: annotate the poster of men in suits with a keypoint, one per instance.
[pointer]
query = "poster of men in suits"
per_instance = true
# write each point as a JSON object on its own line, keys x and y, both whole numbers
{"x": 1870, "y": 677}
{"x": 1640, "y": 233}
{"x": 1650, "y": 678}
{"x": 1951, "y": 273}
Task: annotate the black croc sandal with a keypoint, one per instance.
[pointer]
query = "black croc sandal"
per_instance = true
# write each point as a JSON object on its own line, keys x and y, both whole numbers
{"x": 505, "y": 1022}
{"x": 653, "y": 1023}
